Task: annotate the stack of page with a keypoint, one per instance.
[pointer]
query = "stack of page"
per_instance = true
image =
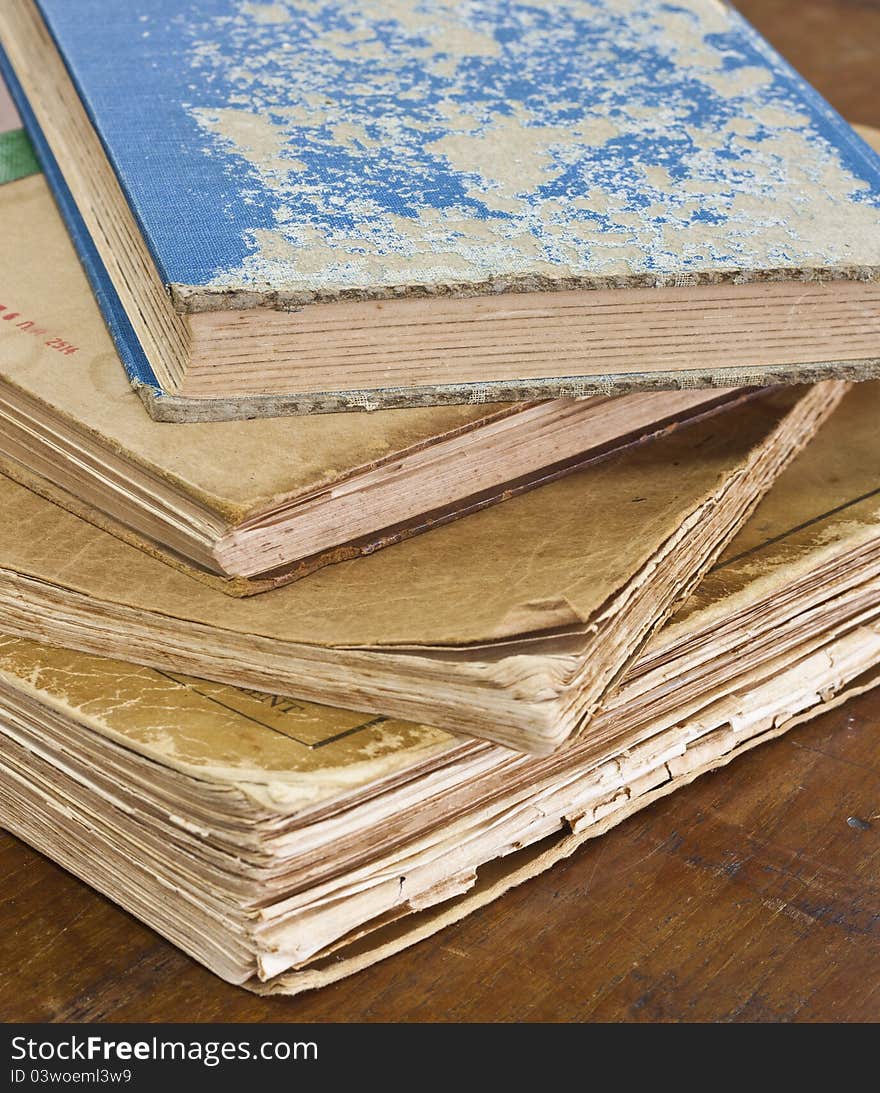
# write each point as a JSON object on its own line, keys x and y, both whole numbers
{"x": 428, "y": 434}
{"x": 286, "y": 844}
{"x": 511, "y": 624}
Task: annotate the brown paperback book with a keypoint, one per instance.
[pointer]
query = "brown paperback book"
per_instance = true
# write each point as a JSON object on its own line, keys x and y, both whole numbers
{"x": 286, "y": 845}
{"x": 511, "y": 624}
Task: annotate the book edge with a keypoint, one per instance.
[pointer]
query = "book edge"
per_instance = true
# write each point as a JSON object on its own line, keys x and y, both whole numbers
{"x": 178, "y": 408}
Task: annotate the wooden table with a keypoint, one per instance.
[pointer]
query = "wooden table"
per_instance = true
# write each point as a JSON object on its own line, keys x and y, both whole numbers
{"x": 752, "y": 895}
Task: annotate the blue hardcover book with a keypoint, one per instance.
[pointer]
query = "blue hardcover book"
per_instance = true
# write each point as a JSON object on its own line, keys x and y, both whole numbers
{"x": 304, "y": 205}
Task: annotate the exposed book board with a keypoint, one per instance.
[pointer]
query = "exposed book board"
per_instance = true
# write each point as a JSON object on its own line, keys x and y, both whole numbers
{"x": 248, "y": 505}
{"x": 309, "y": 842}
{"x": 301, "y": 206}
{"x": 510, "y": 624}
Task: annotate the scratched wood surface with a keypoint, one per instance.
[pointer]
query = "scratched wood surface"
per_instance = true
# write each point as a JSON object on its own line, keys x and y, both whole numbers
{"x": 753, "y": 895}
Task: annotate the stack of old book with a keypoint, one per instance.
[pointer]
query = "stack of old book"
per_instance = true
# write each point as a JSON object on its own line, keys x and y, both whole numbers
{"x": 296, "y": 684}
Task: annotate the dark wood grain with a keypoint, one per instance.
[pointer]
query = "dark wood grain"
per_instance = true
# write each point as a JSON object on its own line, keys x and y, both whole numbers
{"x": 746, "y": 897}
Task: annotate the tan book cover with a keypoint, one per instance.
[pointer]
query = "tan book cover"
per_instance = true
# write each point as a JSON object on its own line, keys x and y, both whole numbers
{"x": 303, "y": 847}
{"x": 511, "y": 624}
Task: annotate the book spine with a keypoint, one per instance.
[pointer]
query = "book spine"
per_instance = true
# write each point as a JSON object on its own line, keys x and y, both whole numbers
{"x": 134, "y": 361}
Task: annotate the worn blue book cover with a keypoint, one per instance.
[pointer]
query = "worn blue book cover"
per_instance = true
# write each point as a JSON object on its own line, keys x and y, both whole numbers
{"x": 276, "y": 155}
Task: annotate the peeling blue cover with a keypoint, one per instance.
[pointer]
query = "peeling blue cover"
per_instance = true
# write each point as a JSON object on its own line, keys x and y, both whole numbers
{"x": 136, "y": 365}
{"x": 305, "y": 146}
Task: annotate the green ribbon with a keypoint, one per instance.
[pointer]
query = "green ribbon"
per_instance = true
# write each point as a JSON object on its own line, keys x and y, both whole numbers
{"x": 17, "y": 157}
